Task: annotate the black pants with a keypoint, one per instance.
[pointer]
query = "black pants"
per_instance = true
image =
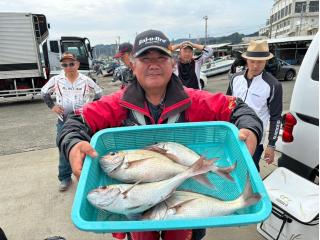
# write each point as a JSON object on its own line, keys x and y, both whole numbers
{"x": 2, "y": 235}
{"x": 257, "y": 155}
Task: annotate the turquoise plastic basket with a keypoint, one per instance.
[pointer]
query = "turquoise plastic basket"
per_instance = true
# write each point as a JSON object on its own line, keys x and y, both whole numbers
{"x": 211, "y": 139}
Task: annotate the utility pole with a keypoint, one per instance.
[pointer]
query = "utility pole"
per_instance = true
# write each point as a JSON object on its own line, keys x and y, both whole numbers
{"x": 206, "y": 30}
{"x": 270, "y": 29}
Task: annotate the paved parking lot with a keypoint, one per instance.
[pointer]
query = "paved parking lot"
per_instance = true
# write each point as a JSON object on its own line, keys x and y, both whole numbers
{"x": 31, "y": 206}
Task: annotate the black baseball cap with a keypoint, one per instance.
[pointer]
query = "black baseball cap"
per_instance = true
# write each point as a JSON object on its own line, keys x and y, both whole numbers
{"x": 151, "y": 39}
{"x": 123, "y": 48}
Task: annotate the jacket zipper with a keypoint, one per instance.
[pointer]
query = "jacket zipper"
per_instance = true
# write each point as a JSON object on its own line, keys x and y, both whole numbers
{"x": 248, "y": 86}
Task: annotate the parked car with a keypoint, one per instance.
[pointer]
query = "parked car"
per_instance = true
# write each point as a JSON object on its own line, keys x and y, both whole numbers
{"x": 281, "y": 69}
{"x": 299, "y": 145}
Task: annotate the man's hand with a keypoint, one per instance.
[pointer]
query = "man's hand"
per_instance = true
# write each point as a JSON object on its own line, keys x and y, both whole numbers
{"x": 250, "y": 138}
{"x": 77, "y": 155}
{"x": 57, "y": 109}
{"x": 269, "y": 155}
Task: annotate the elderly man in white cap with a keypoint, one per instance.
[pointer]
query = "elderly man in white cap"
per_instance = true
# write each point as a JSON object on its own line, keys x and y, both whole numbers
{"x": 262, "y": 92}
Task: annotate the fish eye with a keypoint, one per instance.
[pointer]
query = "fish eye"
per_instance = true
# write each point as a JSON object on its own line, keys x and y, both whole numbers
{"x": 103, "y": 187}
{"x": 112, "y": 153}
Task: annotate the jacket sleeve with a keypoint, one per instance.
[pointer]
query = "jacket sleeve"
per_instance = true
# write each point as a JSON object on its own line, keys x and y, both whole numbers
{"x": 229, "y": 90}
{"x": 275, "y": 109}
{"x": 94, "y": 116}
{"x": 219, "y": 107}
{"x": 46, "y": 92}
{"x": 95, "y": 88}
{"x": 74, "y": 130}
{"x": 105, "y": 113}
{"x": 207, "y": 52}
{"x": 245, "y": 117}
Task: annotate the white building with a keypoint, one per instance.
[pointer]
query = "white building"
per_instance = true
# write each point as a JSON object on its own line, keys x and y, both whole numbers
{"x": 292, "y": 18}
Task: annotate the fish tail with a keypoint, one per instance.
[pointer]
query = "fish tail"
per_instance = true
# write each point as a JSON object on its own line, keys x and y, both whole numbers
{"x": 200, "y": 166}
{"x": 248, "y": 196}
{"x": 203, "y": 179}
{"x": 224, "y": 171}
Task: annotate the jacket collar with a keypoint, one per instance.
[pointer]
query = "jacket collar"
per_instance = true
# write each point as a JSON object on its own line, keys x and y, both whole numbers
{"x": 176, "y": 99}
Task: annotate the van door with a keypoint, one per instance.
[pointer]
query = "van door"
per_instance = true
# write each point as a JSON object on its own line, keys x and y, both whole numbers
{"x": 305, "y": 96}
{"x": 54, "y": 57}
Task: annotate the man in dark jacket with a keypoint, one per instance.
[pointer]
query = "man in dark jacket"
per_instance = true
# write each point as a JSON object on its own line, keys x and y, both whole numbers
{"x": 155, "y": 96}
{"x": 124, "y": 74}
{"x": 188, "y": 68}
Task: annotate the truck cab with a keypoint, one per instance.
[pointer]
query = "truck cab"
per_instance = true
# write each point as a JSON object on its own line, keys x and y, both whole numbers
{"x": 54, "y": 48}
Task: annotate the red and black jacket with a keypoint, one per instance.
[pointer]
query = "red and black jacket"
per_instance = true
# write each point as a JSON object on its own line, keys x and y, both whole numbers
{"x": 193, "y": 105}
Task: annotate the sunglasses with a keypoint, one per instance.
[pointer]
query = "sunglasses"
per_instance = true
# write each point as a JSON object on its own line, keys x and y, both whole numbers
{"x": 65, "y": 65}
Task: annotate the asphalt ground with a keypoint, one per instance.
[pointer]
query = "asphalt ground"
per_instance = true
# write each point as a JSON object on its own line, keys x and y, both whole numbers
{"x": 30, "y": 205}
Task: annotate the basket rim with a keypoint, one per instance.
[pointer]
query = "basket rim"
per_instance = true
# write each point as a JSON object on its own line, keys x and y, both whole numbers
{"x": 217, "y": 221}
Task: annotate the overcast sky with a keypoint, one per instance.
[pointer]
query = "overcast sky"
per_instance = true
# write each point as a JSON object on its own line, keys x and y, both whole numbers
{"x": 104, "y": 21}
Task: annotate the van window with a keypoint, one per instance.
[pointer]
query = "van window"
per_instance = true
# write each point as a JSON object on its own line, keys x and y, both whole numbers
{"x": 54, "y": 47}
{"x": 76, "y": 47}
{"x": 315, "y": 71}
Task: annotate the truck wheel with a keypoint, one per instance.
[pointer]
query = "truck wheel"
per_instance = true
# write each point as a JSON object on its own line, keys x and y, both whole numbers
{"x": 289, "y": 76}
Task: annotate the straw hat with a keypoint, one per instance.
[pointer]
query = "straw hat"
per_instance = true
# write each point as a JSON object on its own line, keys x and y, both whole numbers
{"x": 258, "y": 50}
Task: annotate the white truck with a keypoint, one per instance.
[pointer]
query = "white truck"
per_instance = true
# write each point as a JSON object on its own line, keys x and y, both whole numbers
{"x": 28, "y": 58}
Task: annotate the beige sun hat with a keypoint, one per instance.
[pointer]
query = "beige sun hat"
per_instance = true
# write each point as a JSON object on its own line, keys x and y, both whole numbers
{"x": 258, "y": 50}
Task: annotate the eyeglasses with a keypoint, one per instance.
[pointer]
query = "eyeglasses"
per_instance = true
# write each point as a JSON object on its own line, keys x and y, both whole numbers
{"x": 65, "y": 65}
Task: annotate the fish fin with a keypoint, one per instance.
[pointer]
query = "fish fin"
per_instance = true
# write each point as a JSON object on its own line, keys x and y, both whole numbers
{"x": 179, "y": 204}
{"x": 225, "y": 171}
{"x": 203, "y": 179}
{"x": 156, "y": 149}
{"x": 164, "y": 153}
{"x": 168, "y": 195}
{"x": 249, "y": 197}
{"x": 115, "y": 167}
{"x": 103, "y": 210}
{"x": 134, "y": 216}
{"x": 186, "y": 190}
{"x": 200, "y": 166}
{"x": 215, "y": 159}
{"x": 124, "y": 193}
{"x": 129, "y": 163}
{"x": 253, "y": 199}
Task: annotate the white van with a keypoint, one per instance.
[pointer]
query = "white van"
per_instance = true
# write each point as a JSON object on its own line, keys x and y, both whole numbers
{"x": 299, "y": 145}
